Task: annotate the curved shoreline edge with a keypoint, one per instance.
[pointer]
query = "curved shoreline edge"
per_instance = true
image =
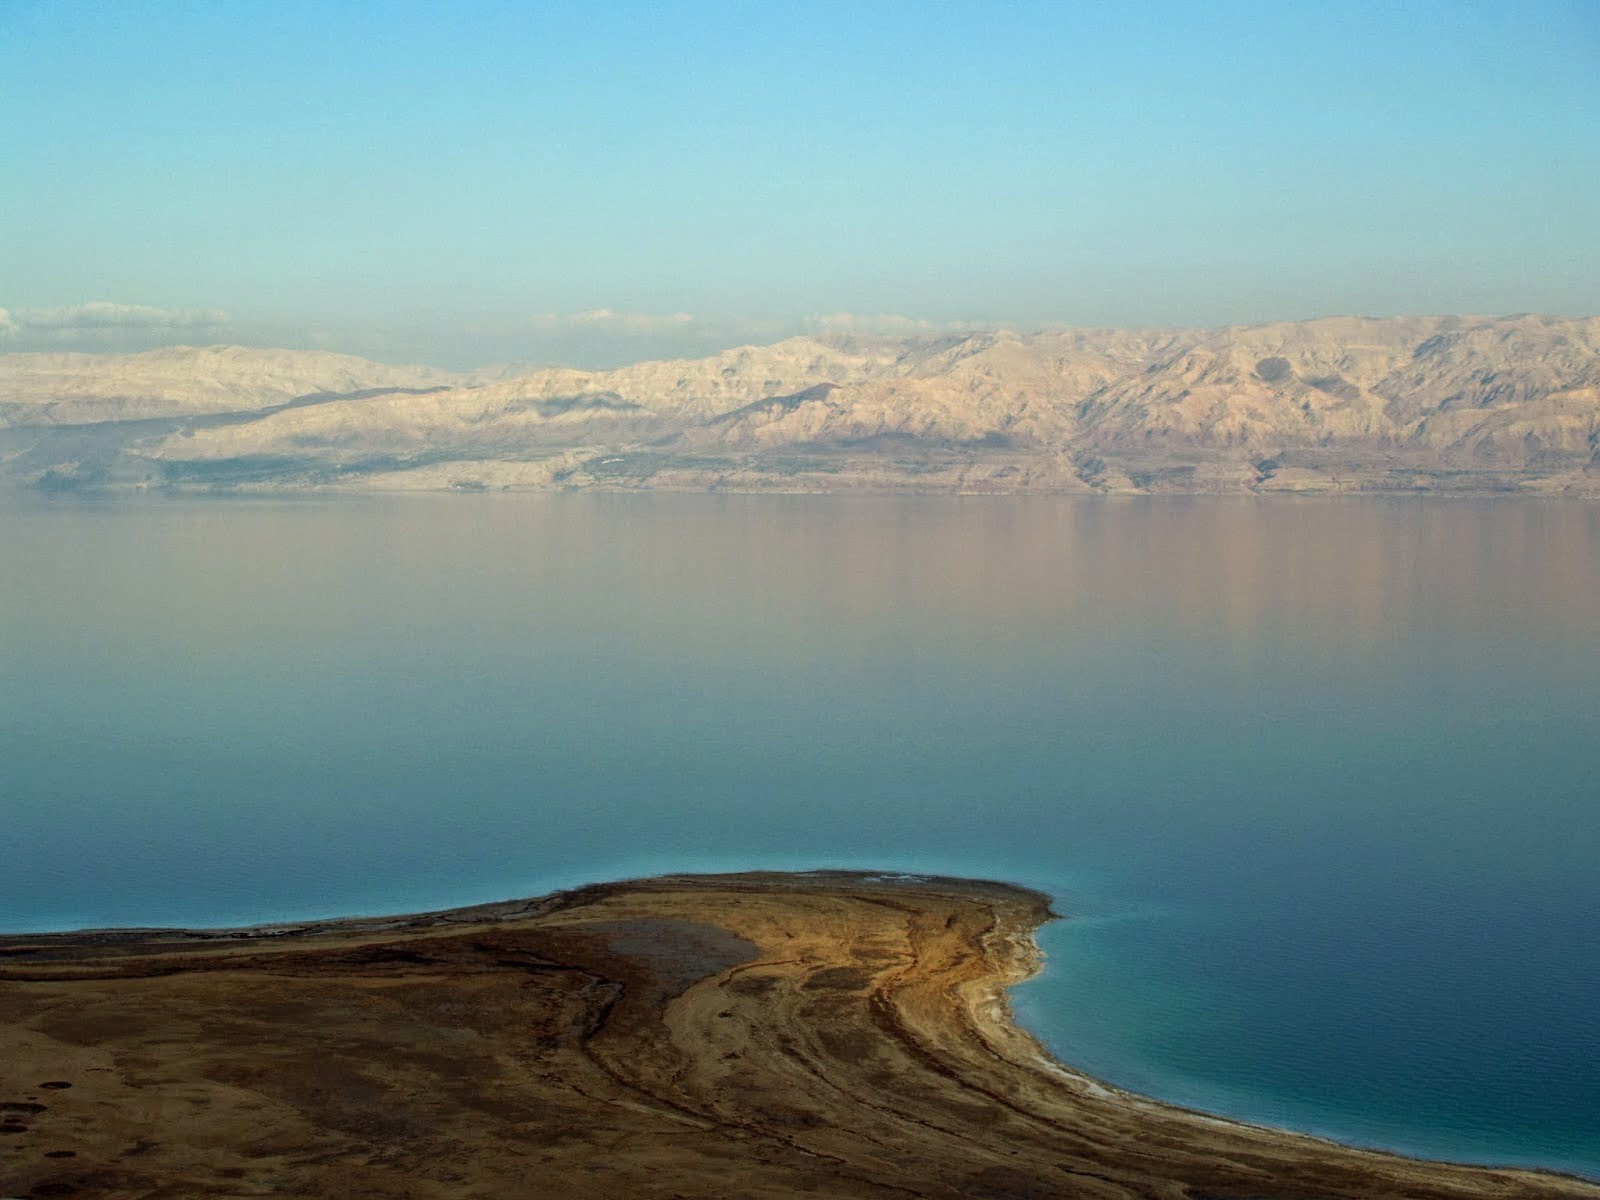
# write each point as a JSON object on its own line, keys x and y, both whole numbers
{"x": 835, "y": 1033}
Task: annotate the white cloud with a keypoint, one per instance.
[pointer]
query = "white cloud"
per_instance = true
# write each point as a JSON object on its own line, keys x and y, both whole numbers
{"x": 101, "y": 314}
{"x": 100, "y": 323}
{"x": 608, "y": 320}
{"x": 693, "y": 333}
{"x": 883, "y": 324}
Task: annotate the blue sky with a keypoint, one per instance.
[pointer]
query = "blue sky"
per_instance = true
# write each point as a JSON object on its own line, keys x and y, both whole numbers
{"x": 476, "y": 182}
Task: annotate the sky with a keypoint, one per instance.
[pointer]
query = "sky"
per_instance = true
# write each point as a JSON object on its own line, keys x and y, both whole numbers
{"x": 476, "y": 182}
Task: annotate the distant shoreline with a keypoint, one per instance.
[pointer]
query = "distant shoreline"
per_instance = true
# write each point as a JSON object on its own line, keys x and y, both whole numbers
{"x": 754, "y": 1034}
{"x": 330, "y": 492}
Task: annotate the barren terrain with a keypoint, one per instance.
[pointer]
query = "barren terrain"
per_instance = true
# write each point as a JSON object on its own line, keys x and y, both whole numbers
{"x": 825, "y": 1034}
{"x": 1343, "y": 404}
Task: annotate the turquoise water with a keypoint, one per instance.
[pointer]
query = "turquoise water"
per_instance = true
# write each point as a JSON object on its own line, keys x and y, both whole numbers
{"x": 1314, "y": 780}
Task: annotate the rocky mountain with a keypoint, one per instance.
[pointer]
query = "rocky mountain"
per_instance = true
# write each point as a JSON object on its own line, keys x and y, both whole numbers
{"x": 83, "y": 389}
{"x": 1340, "y": 404}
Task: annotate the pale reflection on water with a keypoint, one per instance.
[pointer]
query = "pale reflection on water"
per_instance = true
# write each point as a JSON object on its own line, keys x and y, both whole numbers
{"x": 1366, "y": 570}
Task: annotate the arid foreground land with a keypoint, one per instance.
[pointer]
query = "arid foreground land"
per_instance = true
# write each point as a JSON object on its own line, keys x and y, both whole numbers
{"x": 743, "y": 1035}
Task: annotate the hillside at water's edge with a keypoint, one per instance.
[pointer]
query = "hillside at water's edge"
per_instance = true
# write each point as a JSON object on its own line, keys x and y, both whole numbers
{"x": 1461, "y": 404}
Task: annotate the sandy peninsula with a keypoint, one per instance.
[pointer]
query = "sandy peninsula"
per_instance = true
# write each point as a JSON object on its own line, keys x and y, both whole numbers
{"x": 756, "y": 1035}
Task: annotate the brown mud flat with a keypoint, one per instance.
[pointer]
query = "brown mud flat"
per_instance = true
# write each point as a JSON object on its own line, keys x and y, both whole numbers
{"x": 760, "y": 1035}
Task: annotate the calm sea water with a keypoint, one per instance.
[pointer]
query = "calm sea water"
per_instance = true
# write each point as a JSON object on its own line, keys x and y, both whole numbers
{"x": 1314, "y": 781}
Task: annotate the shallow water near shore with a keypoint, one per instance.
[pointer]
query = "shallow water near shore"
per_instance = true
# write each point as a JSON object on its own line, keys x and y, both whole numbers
{"x": 1313, "y": 779}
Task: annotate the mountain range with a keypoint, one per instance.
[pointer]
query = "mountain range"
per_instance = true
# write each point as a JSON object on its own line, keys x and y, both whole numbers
{"x": 1461, "y": 404}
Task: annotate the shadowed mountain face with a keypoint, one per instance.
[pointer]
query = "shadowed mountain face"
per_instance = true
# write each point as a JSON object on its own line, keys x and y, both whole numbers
{"x": 1341, "y": 404}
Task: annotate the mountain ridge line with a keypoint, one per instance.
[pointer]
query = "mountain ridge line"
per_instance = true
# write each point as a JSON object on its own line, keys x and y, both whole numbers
{"x": 1459, "y": 404}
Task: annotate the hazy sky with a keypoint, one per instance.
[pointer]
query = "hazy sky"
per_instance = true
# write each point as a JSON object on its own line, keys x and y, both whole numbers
{"x": 473, "y": 182}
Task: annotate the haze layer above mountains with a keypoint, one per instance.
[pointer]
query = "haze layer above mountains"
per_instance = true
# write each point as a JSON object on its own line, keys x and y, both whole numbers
{"x": 1339, "y": 404}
